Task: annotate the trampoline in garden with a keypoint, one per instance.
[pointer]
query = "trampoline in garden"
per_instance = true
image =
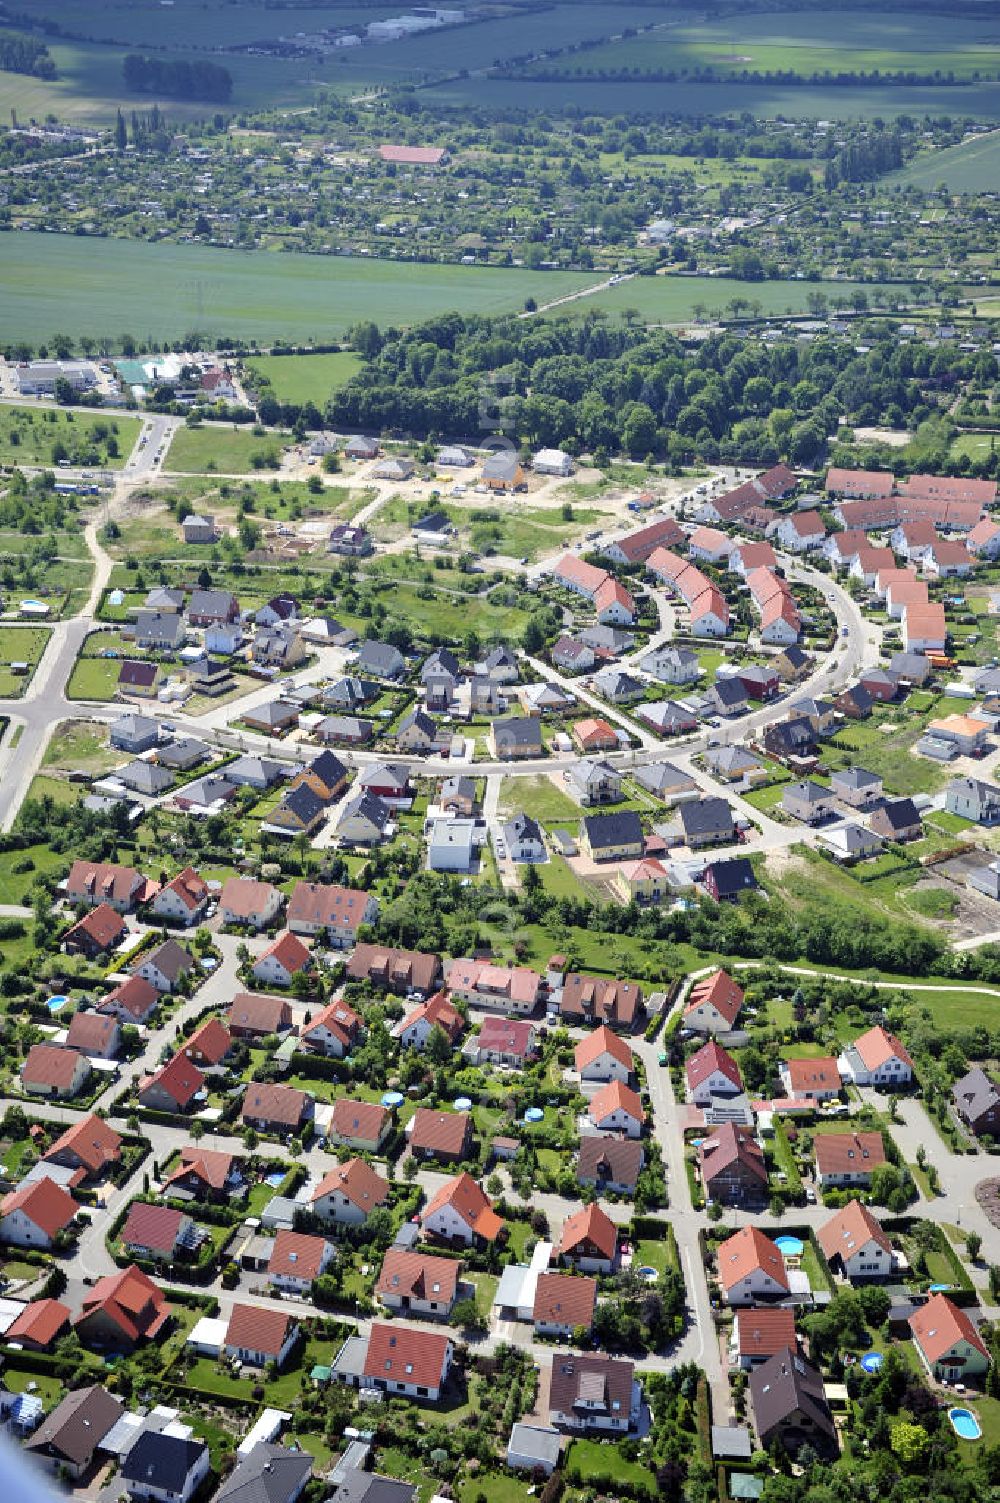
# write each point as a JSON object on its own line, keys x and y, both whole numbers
{"x": 872, "y": 1362}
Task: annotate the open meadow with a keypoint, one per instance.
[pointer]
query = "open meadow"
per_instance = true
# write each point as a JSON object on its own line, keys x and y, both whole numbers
{"x": 105, "y": 288}
{"x": 972, "y": 167}
{"x": 306, "y": 378}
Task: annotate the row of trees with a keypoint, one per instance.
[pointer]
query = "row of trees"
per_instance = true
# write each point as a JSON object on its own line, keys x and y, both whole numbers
{"x": 177, "y": 78}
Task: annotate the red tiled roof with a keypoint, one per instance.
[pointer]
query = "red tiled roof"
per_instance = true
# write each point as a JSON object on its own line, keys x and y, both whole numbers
{"x": 49, "y": 1065}
{"x": 939, "y": 1324}
{"x": 342, "y": 1021}
{"x": 602, "y": 1041}
{"x": 39, "y": 1323}
{"x": 180, "y": 1078}
{"x": 878, "y": 1045}
{"x": 255, "y": 1329}
{"x": 91, "y": 1141}
{"x": 564, "y": 1299}
{"x": 399, "y": 1354}
{"x": 849, "y": 1229}
{"x": 591, "y": 1225}
{"x": 189, "y": 887}
{"x": 615, "y": 1097}
{"x": 279, "y": 1104}
{"x": 46, "y": 1204}
{"x": 469, "y": 1201}
{"x": 413, "y": 156}
{"x": 208, "y": 1165}
{"x": 848, "y": 1152}
{"x": 212, "y": 1041}
{"x": 297, "y": 1255}
{"x": 130, "y": 1300}
{"x": 362, "y": 1120}
{"x": 419, "y": 1276}
{"x": 819, "y": 1074}
{"x": 244, "y": 898}
{"x": 356, "y": 1180}
{"x": 721, "y": 992}
{"x": 289, "y": 952}
{"x": 746, "y": 1252}
{"x": 155, "y": 1227}
{"x": 340, "y": 908}
{"x": 102, "y": 925}
{"x": 711, "y": 1057}
{"x": 506, "y": 1036}
{"x": 136, "y": 996}
{"x": 762, "y": 1332}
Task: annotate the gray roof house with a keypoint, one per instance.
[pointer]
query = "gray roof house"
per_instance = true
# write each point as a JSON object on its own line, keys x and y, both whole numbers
{"x": 524, "y": 839}
{"x": 571, "y": 655}
{"x": 619, "y": 687}
{"x": 807, "y": 801}
{"x": 613, "y": 834}
{"x": 856, "y": 786}
{"x": 165, "y": 1467}
{"x": 973, "y": 799}
{"x": 183, "y": 753}
{"x": 269, "y": 1474}
{"x": 977, "y": 1102}
{"x": 500, "y": 664}
{"x": 350, "y": 693}
{"x": 255, "y": 772}
{"x": 162, "y": 598}
{"x": 665, "y": 780}
{"x": 208, "y": 607}
{"x": 159, "y": 631}
{"x": 381, "y": 659}
{"x": 731, "y": 762}
{"x": 145, "y": 777}
{"x": 910, "y": 667}
{"x": 516, "y": 737}
{"x": 706, "y": 821}
{"x": 533, "y": 1448}
{"x": 439, "y": 661}
{"x": 789, "y": 1405}
{"x": 134, "y": 733}
{"x": 728, "y": 696}
{"x": 674, "y": 665}
{"x": 594, "y": 781}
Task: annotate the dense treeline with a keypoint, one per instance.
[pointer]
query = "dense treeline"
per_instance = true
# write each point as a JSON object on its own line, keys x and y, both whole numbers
{"x": 864, "y": 161}
{"x": 25, "y": 55}
{"x": 591, "y": 385}
{"x": 177, "y": 78}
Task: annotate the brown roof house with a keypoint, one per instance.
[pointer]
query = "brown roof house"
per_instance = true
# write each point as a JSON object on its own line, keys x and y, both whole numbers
{"x": 94, "y": 1034}
{"x": 848, "y": 1158}
{"x": 610, "y": 1165}
{"x": 732, "y": 1166}
{"x": 593, "y": 1394}
{"x": 417, "y": 1283}
{"x": 249, "y": 904}
{"x": 596, "y": 999}
{"x": 52, "y": 1071}
{"x": 564, "y": 1303}
{"x": 395, "y": 970}
{"x": 758, "y": 1332}
{"x": 333, "y": 1031}
{"x": 252, "y": 1015}
{"x": 158, "y": 1232}
{"x": 132, "y": 1001}
{"x": 361, "y": 1125}
{"x": 275, "y": 1108}
{"x": 297, "y": 1259}
{"x": 94, "y": 882}
{"x": 96, "y": 934}
{"x": 68, "y": 1438}
{"x": 790, "y": 1407}
{"x": 446, "y": 1136}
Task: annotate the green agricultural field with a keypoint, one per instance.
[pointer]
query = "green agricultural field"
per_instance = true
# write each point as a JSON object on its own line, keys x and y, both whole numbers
{"x": 89, "y": 286}
{"x": 20, "y": 644}
{"x": 192, "y": 23}
{"x": 215, "y": 448}
{"x": 767, "y": 101}
{"x": 972, "y": 167}
{"x": 307, "y": 378}
{"x": 804, "y": 43}
{"x": 673, "y": 299}
{"x": 44, "y": 435}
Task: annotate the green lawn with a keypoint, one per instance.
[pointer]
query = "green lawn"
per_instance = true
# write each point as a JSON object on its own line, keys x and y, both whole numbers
{"x": 306, "y": 378}
{"x": 29, "y": 435}
{"x": 559, "y": 878}
{"x": 594, "y": 1459}
{"x": 15, "y": 885}
{"x": 216, "y": 447}
{"x": 20, "y": 644}
{"x": 94, "y": 678}
{"x": 540, "y": 798}
{"x": 80, "y": 744}
{"x": 81, "y": 285}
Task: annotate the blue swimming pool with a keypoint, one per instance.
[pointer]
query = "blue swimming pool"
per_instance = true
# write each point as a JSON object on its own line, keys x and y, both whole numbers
{"x": 534, "y": 1114}
{"x": 274, "y": 1180}
{"x": 872, "y": 1362}
{"x": 392, "y": 1098}
{"x": 54, "y": 1004}
{"x": 965, "y": 1424}
{"x": 939, "y": 1288}
{"x": 790, "y": 1247}
{"x": 463, "y": 1103}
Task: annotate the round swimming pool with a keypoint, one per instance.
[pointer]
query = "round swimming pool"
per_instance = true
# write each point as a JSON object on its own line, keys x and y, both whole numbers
{"x": 648, "y": 1273}
{"x": 872, "y": 1362}
{"x": 55, "y": 1004}
{"x": 463, "y": 1104}
{"x": 534, "y": 1114}
{"x": 392, "y": 1098}
{"x": 939, "y": 1288}
{"x": 790, "y": 1247}
{"x": 965, "y": 1424}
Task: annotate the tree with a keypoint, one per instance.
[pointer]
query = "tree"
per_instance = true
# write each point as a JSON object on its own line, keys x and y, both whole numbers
{"x": 438, "y": 1048}
{"x": 121, "y": 135}
{"x": 909, "y": 1442}
{"x": 973, "y": 1245}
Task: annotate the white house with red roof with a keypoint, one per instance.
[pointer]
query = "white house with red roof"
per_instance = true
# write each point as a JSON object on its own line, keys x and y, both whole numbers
{"x": 34, "y": 1215}
{"x": 948, "y": 1342}
{"x": 282, "y": 961}
{"x": 855, "y": 1245}
{"x": 751, "y": 1268}
{"x": 504, "y": 1041}
{"x": 713, "y": 1004}
{"x": 349, "y": 1193}
{"x": 877, "y": 1058}
{"x": 402, "y": 1360}
{"x": 603, "y": 1056}
{"x": 589, "y": 1241}
{"x": 183, "y": 900}
{"x": 617, "y": 1108}
{"x": 712, "y": 1073}
{"x": 332, "y": 1031}
{"x": 461, "y": 1214}
{"x": 414, "y": 1030}
{"x": 814, "y": 1079}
